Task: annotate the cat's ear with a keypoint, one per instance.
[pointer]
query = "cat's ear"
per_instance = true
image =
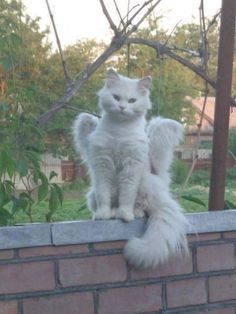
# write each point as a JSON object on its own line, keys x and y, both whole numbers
{"x": 112, "y": 77}
{"x": 144, "y": 83}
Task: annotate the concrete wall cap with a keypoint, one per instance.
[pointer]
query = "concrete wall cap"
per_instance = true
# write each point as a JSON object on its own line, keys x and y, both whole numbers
{"x": 76, "y": 232}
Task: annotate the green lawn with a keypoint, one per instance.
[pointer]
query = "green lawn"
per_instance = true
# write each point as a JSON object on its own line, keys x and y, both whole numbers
{"x": 71, "y": 209}
{"x": 202, "y": 193}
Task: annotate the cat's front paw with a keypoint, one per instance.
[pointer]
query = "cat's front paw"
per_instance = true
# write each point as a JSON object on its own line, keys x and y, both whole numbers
{"x": 100, "y": 214}
{"x": 126, "y": 215}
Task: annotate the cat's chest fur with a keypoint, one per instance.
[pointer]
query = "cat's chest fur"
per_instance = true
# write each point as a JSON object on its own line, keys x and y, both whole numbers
{"x": 119, "y": 148}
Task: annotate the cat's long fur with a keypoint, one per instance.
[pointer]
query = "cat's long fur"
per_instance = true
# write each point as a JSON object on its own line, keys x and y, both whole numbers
{"x": 129, "y": 167}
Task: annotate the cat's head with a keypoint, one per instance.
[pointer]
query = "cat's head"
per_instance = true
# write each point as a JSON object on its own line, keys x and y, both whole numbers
{"x": 128, "y": 98}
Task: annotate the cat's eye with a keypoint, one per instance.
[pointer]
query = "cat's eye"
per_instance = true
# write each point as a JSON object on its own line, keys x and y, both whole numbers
{"x": 132, "y": 100}
{"x": 116, "y": 97}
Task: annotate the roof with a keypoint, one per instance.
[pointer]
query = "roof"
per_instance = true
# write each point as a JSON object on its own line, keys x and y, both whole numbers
{"x": 210, "y": 109}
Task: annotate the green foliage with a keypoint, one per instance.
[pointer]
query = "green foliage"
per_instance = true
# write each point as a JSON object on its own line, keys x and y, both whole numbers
{"x": 230, "y": 205}
{"x": 205, "y": 144}
{"x": 179, "y": 171}
{"x": 200, "y": 177}
{"x": 231, "y": 174}
{"x": 22, "y": 59}
{"x": 20, "y": 160}
{"x": 232, "y": 142}
{"x": 77, "y": 185}
{"x": 191, "y": 196}
{"x": 193, "y": 199}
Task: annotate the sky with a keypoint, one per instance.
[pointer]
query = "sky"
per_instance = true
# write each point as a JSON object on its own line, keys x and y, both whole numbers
{"x": 79, "y": 19}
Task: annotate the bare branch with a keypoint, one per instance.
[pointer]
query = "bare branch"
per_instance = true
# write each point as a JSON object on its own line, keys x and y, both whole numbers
{"x": 82, "y": 110}
{"x": 118, "y": 11}
{"x": 191, "y": 53}
{"x": 108, "y": 17}
{"x": 213, "y": 20}
{"x": 204, "y": 51}
{"x": 174, "y": 28}
{"x": 161, "y": 49}
{"x": 126, "y": 17}
{"x": 142, "y": 18}
{"x": 64, "y": 66}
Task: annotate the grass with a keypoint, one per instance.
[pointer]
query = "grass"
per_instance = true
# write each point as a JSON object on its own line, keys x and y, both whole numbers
{"x": 71, "y": 209}
{"x": 201, "y": 192}
{"x": 74, "y": 204}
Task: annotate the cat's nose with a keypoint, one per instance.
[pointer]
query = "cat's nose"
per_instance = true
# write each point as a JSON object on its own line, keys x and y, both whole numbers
{"x": 122, "y": 108}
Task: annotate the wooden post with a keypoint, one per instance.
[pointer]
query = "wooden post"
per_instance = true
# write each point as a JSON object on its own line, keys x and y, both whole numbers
{"x": 222, "y": 104}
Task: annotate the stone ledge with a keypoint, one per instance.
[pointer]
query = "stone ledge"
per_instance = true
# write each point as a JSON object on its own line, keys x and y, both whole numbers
{"x": 76, "y": 232}
{"x": 25, "y": 236}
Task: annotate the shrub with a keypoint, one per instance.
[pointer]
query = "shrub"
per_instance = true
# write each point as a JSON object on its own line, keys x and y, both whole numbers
{"x": 21, "y": 147}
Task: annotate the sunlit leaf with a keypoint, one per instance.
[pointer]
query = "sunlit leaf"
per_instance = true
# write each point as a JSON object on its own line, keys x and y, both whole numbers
{"x": 194, "y": 200}
{"x": 53, "y": 200}
{"x": 5, "y": 216}
{"x": 59, "y": 192}
{"x": 22, "y": 167}
{"x": 42, "y": 192}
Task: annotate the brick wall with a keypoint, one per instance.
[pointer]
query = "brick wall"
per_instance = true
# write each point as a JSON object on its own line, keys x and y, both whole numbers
{"x": 93, "y": 278}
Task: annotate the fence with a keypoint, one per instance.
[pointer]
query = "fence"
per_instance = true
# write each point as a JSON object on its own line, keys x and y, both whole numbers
{"x": 78, "y": 268}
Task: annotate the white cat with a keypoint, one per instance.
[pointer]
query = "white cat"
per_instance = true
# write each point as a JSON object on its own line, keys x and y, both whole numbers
{"x": 129, "y": 166}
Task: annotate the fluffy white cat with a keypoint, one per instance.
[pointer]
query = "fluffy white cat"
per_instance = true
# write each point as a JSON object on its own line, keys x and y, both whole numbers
{"x": 129, "y": 162}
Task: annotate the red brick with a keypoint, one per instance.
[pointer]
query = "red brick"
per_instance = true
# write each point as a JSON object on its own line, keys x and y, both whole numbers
{"x": 130, "y": 300}
{"x": 109, "y": 245}
{"x": 186, "y": 292}
{"x": 215, "y": 257}
{"x": 215, "y": 311}
{"x": 6, "y": 254}
{"x": 8, "y": 307}
{"x": 230, "y": 235}
{"x": 77, "y": 303}
{"x": 53, "y": 250}
{"x": 204, "y": 237}
{"x": 175, "y": 267}
{"x": 25, "y": 277}
{"x": 91, "y": 270}
{"x": 222, "y": 288}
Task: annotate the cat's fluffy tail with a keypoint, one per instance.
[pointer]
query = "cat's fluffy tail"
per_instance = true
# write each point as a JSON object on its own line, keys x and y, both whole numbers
{"x": 165, "y": 235}
{"x": 164, "y": 135}
{"x": 84, "y": 125}
{"x": 163, "y": 239}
